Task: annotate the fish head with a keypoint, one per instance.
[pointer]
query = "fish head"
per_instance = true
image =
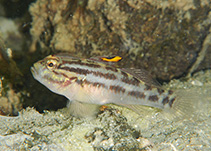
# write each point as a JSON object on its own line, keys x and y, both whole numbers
{"x": 49, "y": 73}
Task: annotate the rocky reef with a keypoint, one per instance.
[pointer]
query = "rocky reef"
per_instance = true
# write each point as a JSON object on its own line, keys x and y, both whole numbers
{"x": 165, "y": 38}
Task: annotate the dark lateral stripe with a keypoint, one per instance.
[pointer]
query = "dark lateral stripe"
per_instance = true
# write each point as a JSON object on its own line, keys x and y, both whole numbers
{"x": 134, "y": 81}
{"x": 117, "y": 89}
{"x": 86, "y": 71}
{"x": 153, "y": 98}
{"x": 63, "y": 82}
{"x": 61, "y": 74}
{"x": 89, "y": 63}
{"x": 165, "y": 100}
{"x": 170, "y": 92}
{"x": 160, "y": 91}
{"x": 75, "y": 70}
{"x": 95, "y": 84}
{"x": 169, "y": 101}
{"x": 79, "y": 62}
{"x": 137, "y": 94}
{"x": 172, "y": 101}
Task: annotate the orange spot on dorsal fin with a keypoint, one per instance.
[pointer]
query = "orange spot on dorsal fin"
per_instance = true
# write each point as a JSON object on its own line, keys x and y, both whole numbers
{"x": 112, "y": 59}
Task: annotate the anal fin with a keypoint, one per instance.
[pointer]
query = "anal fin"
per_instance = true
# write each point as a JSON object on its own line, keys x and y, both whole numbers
{"x": 142, "y": 110}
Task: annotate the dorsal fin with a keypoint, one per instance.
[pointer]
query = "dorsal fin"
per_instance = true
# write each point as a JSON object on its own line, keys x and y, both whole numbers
{"x": 107, "y": 60}
{"x": 138, "y": 73}
{"x": 142, "y": 75}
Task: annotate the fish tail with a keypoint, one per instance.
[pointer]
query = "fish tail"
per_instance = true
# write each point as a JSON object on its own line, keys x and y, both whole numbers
{"x": 188, "y": 104}
{"x": 184, "y": 104}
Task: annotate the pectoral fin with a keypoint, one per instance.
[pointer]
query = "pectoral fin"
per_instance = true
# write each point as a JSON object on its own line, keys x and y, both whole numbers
{"x": 80, "y": 109}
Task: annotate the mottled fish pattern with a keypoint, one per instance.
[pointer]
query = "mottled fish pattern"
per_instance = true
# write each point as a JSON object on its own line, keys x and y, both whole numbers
{"x": 95, "y": 82}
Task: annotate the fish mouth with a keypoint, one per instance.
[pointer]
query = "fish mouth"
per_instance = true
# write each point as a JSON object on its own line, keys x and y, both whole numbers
{"x": 33, "y": 71}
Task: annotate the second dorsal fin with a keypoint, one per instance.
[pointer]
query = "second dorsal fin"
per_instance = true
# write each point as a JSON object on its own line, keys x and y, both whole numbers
{"x": 142, "y": 75}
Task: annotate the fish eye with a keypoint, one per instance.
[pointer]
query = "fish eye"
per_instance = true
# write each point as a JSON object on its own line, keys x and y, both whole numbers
{"x": 51, "y": 64}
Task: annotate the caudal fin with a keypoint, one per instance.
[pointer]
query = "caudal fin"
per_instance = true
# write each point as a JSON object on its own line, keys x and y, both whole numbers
{"x": 189, "y": 104}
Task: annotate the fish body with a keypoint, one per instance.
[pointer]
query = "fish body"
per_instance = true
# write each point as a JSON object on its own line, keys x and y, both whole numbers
{"x": 87, "y": 81}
